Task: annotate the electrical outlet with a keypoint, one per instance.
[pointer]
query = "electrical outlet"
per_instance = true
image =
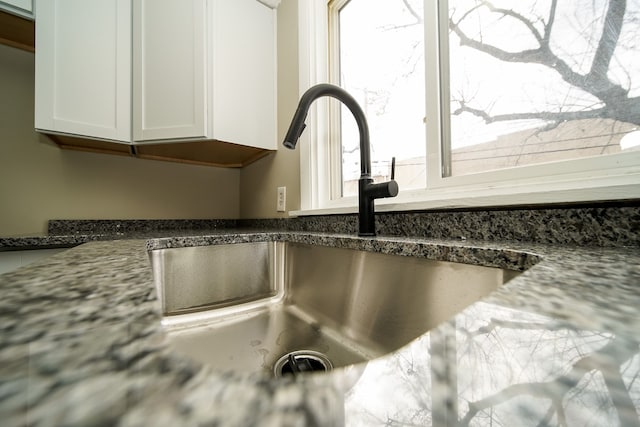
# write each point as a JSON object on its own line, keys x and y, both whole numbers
{"x": 282, "y": 199}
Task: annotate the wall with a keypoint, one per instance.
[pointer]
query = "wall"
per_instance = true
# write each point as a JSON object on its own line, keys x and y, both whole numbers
{"x": 260, "y": 180}
{"x": 38, "y": 181}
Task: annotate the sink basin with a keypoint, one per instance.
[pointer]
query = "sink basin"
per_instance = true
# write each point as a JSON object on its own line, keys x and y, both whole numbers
{"x": 268, "y": 305}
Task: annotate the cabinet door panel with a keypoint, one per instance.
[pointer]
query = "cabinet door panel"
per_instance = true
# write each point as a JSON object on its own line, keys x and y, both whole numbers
{"x": 83, "y": 62}
{"x": 169, "y": 69}
{"x": 244, "y": 73}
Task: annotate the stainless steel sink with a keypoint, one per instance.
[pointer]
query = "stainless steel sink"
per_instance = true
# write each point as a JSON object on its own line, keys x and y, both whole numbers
{"x": 249, "y": 306}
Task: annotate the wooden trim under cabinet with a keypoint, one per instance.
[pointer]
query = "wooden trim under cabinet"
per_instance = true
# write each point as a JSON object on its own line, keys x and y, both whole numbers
{"x": 17, "y": 32}
{"x": 204, "y": 153}
{"x": 208, "y": 153}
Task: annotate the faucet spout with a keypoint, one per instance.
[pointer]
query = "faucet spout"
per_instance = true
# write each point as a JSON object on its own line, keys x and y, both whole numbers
{"x": 298, "y": 122}
{"x": 367, "y": 190}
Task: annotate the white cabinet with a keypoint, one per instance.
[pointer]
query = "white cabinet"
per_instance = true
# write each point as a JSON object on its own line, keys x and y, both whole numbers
{"x": 169, "y": 69}
{"x": 204, "y": 69}
{"x": 83, "y": 68}
{"x": 23, "y": 8}
{"x": 201, "y": 70}
{"x": 243, "y": 71}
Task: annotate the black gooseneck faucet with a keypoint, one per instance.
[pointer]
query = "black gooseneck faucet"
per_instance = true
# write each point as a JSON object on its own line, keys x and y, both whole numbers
{"x": 367, "y": 190}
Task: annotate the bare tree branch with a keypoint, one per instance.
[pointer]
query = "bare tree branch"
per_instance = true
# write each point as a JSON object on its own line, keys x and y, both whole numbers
{"x": 508, "y": 12}
{"x": 616, "y": 103}
{"x": 549, "y": 25}
{"x": 412, "y": 11}
{"x": 555, "y": 116}
{"x": 499, "y": 323}
{"x": 597, "y": 77}
{"x": 608, "y": 359}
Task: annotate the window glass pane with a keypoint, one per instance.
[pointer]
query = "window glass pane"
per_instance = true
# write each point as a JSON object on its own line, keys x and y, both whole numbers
{"x": 535, "y": 81}
{"x": 382, "y": 66}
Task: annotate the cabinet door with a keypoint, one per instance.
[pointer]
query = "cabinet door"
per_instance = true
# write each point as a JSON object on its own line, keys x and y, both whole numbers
{"x": 244, "y": 73}
{"x": 169, "y": 90}
{"x": 83, "y": 68}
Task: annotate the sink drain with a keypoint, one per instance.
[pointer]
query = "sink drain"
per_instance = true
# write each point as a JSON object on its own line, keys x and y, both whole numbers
{"x": 302, "y": 361}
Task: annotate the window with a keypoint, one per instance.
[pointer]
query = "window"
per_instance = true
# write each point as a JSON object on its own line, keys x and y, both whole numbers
{"x": 540, "y": 81}
{"x": 481, "y": 103}
{"x": 380, "y": 61}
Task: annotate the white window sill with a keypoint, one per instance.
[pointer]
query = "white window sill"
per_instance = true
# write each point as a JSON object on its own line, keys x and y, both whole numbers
{"x": 617, "y": 188}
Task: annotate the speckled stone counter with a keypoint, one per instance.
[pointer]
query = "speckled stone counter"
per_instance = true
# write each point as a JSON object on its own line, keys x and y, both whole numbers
{"x": 604, "y": 226}
{"x": 82, "y": 345}
{"x": 70, "y": 233}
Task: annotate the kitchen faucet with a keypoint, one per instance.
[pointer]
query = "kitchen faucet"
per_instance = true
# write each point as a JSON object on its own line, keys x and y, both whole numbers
{"x": 367, "y": 190}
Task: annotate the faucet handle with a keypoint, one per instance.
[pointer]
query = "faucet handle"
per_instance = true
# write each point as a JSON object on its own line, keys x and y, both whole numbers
{"x": 393, "y": 168}
{"x": 381, "y": 190}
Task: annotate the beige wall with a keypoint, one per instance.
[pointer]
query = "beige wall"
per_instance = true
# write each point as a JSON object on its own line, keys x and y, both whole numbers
{"x": 259, "y": 181}
{"x": 38, "y": 181}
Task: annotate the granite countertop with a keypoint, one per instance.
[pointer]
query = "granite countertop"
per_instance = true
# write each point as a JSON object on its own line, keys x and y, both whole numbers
{"x": 82, "y": 345}
{"x": 70, "y": 233}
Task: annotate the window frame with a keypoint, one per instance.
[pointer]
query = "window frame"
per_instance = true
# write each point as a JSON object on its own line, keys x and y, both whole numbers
{"x": 613, "y": 177}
